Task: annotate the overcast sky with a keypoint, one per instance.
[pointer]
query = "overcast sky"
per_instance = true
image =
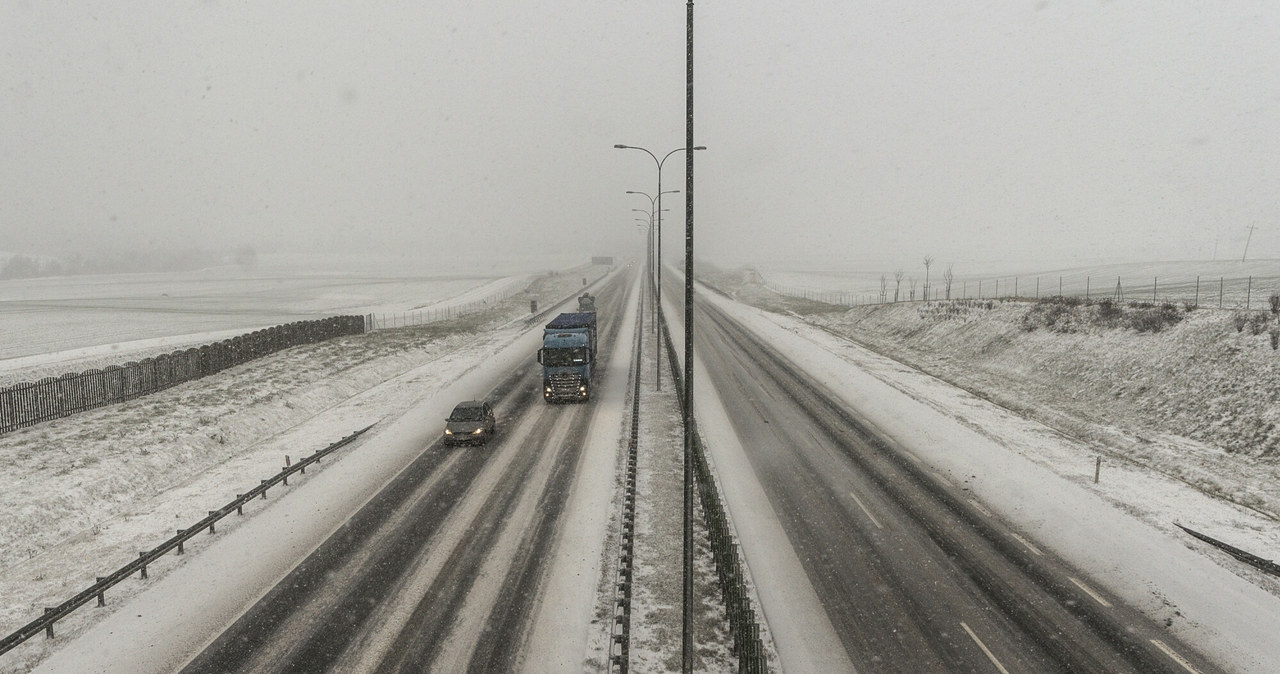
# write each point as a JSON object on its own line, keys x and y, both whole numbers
{"x": 861, "y": 133}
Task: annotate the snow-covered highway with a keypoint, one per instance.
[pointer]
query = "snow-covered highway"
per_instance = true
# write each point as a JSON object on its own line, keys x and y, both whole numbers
{"x": 436, "y": 559}
{"x": 887, "y": 521}
{"x": 910, "y": 573}
{"x": 1001, "y": 491}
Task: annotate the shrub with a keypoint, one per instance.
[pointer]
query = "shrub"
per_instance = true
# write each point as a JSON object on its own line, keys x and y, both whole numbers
{"x": 1150, "y": 318}
{"x": 1274, "y": 299}
{"x": 1108, "y": 312}
{"x": 1239, "y": 320}
{"x": 1255, "y": 321}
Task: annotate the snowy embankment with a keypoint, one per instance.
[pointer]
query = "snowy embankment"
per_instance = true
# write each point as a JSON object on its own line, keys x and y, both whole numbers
{"x": 83, "y": 494}
{"x": 1119, "y": 530}
{"x": 1195, "y": 401}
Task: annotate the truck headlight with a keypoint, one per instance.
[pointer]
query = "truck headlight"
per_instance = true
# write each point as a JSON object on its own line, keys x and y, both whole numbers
{"x": 477, "y": 431}
{"x": 448, "y": 432}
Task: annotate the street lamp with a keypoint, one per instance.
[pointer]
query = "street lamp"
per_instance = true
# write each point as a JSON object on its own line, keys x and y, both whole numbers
{"x": 653, "y": 266}
{"x": 647, "y": 225}
{"x": 658, "y": 209}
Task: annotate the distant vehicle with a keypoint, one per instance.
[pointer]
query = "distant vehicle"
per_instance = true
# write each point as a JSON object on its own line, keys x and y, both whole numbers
{"x": 586, "y": 303}
{"x": 472, "y": 421}
{"x": 568, "y": 355}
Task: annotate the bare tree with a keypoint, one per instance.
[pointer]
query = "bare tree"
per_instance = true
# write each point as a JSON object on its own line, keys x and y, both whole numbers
{"x": 884, "y": 287}
{"x": 897, "y": 283}
{"x": 928, "y": 262}
{"x": 948, "y": 276}
{"x": 913, "y": 288}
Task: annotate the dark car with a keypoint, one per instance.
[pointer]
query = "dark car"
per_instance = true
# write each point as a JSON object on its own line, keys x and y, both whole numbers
{"x": 472, "y": 421}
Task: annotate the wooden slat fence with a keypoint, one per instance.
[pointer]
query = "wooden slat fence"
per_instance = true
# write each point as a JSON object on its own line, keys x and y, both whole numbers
{"x": 26, "y": 403}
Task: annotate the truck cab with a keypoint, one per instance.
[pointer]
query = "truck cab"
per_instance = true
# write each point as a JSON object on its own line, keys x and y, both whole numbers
{"x": 567, "y": 357}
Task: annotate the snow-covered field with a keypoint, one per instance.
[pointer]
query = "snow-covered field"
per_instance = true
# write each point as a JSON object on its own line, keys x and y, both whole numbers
{"x": 50, "y": 326}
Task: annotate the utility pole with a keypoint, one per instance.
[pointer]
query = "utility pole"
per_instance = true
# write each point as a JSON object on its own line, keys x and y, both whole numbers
{"x": 1246, "y": 243}
{"x": 686, "y": 650}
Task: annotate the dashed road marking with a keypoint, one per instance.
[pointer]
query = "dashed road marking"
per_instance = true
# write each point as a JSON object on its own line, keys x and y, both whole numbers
{"x": 1174, "y": 656}
{"x": 990, "y": 656}
{"x": 982, "y": 509}
{"x": 865, "y": 510}
{"x": 1089, "y": 591}
{"x": 1027, "y": 543}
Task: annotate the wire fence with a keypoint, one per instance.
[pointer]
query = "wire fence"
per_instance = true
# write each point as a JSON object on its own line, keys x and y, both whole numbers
{"x": 28, "y": 403}
{"x": 1250, "y": 293}
{"x": 425, "y": 315}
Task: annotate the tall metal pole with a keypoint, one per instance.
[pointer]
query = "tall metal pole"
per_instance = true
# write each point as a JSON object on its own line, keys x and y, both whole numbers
{"x": 652, "y": 268}
{"x": 649, "y": 252}
{"x": 687, "y": 645}
{"x": 659, "y": 162}
{"x": 657, "y": 352}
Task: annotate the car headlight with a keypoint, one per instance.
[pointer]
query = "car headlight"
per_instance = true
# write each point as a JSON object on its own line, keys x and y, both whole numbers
{"x": 448, "y": 432}
{"x": 477, "y": 431}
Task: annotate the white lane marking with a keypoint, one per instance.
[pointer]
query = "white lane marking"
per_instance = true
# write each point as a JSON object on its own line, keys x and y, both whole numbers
{"x": 982, "y": 509}
{"x": 914, "y": 459}
{"x": 1028, "y": 544}
{"x": 1174, "y": 655}
{"x": 1089, "y": 591}
{"x": 990, "y": 656}
{"x": 864, "y": 509}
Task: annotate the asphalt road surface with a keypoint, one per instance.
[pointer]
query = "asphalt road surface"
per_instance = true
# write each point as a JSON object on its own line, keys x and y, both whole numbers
{"x": 442, "y": 570}
{"x": 912, "y": 574}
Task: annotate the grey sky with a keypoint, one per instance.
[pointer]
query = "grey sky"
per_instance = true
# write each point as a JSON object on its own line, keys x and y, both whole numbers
{"x": 867, "y": 133}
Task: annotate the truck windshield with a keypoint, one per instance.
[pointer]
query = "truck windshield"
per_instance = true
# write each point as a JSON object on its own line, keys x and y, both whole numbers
{"x": 564, "y": 357}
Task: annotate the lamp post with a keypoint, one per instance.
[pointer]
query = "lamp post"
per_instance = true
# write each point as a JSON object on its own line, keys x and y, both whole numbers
{"x": 658, "y": 209}
{"x": 653, "y": 269}
{"x": 647, "y": 225}
{"x": 686, "y": 639}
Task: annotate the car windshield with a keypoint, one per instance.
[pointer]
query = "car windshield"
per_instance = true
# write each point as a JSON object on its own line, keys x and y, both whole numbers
{"x": 468, "y": 413}
{"x": 564, "y": 357}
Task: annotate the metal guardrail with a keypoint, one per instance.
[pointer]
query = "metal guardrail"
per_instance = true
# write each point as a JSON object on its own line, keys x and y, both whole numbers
{"x": 619, "y": 659}
{"x": 51, "y": 615}
{"x": 1246, "y": 557}
{"x": 744, "y": 626}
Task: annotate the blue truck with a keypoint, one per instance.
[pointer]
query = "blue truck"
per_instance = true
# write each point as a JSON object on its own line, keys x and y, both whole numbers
{"x": 568, "y": 355}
